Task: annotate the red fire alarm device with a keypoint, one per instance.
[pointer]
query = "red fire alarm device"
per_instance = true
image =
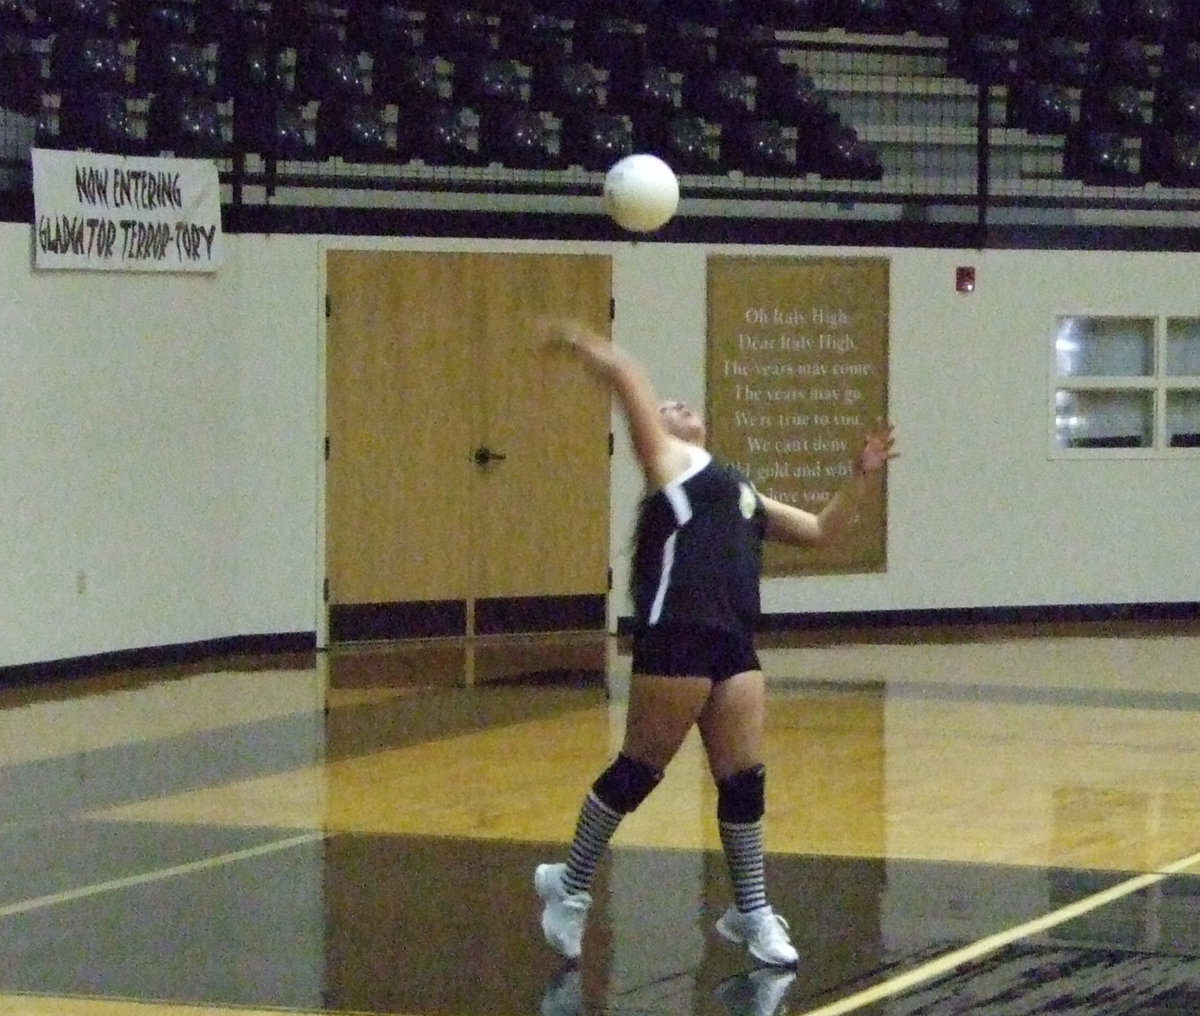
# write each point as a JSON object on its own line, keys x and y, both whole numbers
{"x": 964, "y": 279}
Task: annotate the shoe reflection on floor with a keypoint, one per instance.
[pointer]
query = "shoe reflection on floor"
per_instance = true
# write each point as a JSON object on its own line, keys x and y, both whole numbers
{"x": 756, "y": 992}
{"x": 564, "y": 994}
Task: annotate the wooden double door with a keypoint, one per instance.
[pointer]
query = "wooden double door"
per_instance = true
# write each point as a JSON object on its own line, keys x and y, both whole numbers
{"x": 467, "y": 479}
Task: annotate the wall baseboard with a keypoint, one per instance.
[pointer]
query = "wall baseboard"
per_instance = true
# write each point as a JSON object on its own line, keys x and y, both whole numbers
{"x": 1052, "y": 618}
{"x": 181, "y": 655}
{"x": 975, "y": 622}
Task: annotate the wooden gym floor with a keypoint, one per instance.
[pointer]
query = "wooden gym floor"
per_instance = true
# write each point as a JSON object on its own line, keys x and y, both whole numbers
{"x": 970, "y": 823}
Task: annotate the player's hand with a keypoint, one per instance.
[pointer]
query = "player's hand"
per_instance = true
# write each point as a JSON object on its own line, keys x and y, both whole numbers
{"x": 596, "y": 352}
{"x": 878, "y": 448}
{"x": 563, "y": 335}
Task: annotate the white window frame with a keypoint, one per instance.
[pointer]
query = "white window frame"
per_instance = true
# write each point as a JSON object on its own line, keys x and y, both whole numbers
{"x": 1158, "y": 384}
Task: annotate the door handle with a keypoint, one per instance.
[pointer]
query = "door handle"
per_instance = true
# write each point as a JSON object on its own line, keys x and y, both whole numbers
{"x": 483, "y": 455}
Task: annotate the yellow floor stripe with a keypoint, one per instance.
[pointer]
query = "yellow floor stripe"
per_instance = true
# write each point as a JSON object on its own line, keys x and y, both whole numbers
{"x": 977, "y": 950}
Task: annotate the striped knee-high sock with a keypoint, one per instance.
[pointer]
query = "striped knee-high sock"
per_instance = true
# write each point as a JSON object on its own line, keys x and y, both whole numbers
{"x": 595, "y": 827}
{"x": 743, "y": 846}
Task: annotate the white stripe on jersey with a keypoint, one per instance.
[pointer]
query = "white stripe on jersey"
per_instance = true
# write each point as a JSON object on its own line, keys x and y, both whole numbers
{"x": 678, "y": 500}
{"x": 664, "y": 579}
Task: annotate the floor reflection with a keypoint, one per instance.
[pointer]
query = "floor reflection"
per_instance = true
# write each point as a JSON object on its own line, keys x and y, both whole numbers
{"x": 425, "y": 925}
{"x": 358, "y": 833}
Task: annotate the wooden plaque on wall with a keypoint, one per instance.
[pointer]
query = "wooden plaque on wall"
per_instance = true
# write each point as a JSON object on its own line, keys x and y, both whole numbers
{"x": 797, "y": 369}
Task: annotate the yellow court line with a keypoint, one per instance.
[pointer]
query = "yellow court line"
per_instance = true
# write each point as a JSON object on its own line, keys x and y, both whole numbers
{"x": 157, "y": 875}
{"x": 976, "y": 950}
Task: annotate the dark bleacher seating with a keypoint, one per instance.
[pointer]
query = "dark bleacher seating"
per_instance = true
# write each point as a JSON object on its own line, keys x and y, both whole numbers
{"x": 1177, "y": 108}
{"x": 1042, "y": 107}
{"x": 762, "y": 147}
{"x": 1181, "y": 60}
{"x": 190, "y": 126}
{"x": 686, "y": 47}
{"x": 1172, "y": 159}
{"x": 644, "y": 87}
{"x": 179, "y": 67}
{"x": 794, "y": 98}
{"x": 84, "y": 17}
{"x": 708, "y": 12}
{"x": 871, "y": 17}
{"x": 1112, "y": 107}
{"x": 519, "y": 137}
{"x": 160, "y": 23}
{"x": 1057, "y": 60}
{"x": 92, "y": 82}
{"x": 568, "y": 87}
{"x": 1103, "y": 158}
{"x": 985, "y": 58}
{"x": 1147, "y": 20}
{"x": 492, "y": 81}
{"x": 19, "y": 18}
{"x": 1172, "y": 144}
{"x": 307, "y": 24}
{"x": 415, "y": 81}
{"x": 445, "y": 136}
{"x": 334, "y": 74}
{"x": 392, "y": 30}
{"x": 651, "y": 95}
{"x": 286, "y": 131}
{"x": 614, "y": 42}
{"x": 88, "y": 61}
{"x": 460, "y": 32}
{"x": 251, "y": 72}
{"x": 637, "y": 12}
{"x": 596, "y": 139}
{"x": 1011, "y": 19}
{"x": 230, "y": 21}
{"x": 1102, "y": 91}
{"x": 377, "y": 81}
{"x": 835, "y": 151}
{"x": 796, "y": 15}
{"x": 535, "y": 37}
{"x": 724, "y": 95}
{"x": 691, "y": 144}
{"x": 101, "y": 121}
{"x": 21, "y": 73}
{"x": 1083, "y": 20}
{"x": 1123, "y": 60}
{"x": 750, "y": 46}
{"x": 933, "y": 17}
{"x": 358, "y": 130}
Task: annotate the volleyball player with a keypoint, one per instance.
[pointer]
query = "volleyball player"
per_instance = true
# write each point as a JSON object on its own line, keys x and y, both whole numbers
{"x": 695, "y": 585}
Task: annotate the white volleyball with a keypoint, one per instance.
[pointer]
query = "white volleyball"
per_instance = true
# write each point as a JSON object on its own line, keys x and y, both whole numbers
{"x": 641, "y": 193}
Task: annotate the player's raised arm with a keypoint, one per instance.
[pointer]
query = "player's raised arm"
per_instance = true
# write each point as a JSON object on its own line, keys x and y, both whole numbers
{"x": 789, "y": 524}
{"x": 661, "y": 455}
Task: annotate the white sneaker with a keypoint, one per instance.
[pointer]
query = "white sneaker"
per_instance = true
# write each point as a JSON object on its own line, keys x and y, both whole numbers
{"x": 564, "y": 914}
{"x": 764, "y": 934}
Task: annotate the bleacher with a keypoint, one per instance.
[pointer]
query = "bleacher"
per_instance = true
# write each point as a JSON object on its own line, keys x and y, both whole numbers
{"x": 898, "y": 111}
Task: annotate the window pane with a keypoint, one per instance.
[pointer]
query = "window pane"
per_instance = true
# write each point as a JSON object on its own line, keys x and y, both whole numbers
{"x": 1183, "y": 419}
{"x": 1087, "y": 418}
{"x": 1183, "y": 347}
{"x": 1104, "y": 347}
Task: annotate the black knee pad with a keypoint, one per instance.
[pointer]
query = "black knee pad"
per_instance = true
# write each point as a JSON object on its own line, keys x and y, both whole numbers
{"x": 742, "y": 797}
{"x": 626, "y": 783}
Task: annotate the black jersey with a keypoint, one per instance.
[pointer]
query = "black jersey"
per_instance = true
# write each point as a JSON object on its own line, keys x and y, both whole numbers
{"x": 698, "y": 550}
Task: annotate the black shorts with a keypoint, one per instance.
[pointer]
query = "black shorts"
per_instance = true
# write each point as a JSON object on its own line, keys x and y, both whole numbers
{"x": 683, "y": 651}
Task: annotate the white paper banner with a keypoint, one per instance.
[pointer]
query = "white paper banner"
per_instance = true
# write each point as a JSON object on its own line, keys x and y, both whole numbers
{"x": 126, "y": 214}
